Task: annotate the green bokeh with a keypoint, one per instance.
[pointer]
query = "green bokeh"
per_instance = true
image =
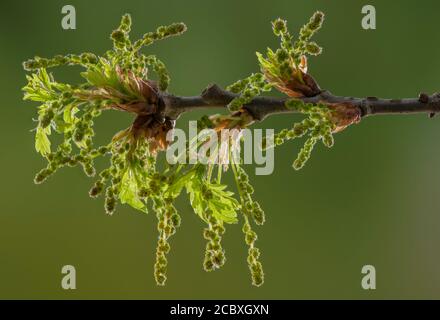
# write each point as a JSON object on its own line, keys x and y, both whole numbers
{"x": 372, "y": 199}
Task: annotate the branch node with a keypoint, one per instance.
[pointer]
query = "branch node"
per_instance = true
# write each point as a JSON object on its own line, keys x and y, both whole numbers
{"x": 423, "y": 98}
{"x": 365, "y": 108}
{"x": 213, "y": 94}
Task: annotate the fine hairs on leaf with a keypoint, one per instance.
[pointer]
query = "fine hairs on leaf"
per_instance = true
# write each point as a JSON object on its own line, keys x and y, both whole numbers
{"x": 127, "y": 79}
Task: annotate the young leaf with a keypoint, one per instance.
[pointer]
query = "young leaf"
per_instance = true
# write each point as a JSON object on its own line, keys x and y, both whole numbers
{"x": 42, "y": 142}
{"x": 129, "y": 191}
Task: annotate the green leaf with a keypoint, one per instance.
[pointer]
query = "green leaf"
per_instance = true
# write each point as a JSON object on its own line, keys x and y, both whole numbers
{"x": 39, "y": 87}
{"x": 176, "y": 187}
{"x": 193, "y": 188}
{"x": 69, "y": 114}
{"x": 42, "y": 142}
{"x": 94, "y": 75}
{"x": 102, "y": 74}
{"x": 222, "y": 204}
{"x": 129, "y": 191}
{"x": 223, "y": 211}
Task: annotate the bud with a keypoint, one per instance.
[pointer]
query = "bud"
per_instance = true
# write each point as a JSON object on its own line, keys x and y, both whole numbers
{"x": 254, "y": 253}
{"x": 208, "y": 265}
{"x": 110, "y": 202}
{"x": 219, "y": 229}
{"x": 250, "y": 237}
{"x": 165, "y": 247}
{"x": 313, "y": 49}
{"x": 31, "y": 65}
{"x": 279, "y": 26}
{"x": 41, "y": 176}
{"x": 257, "y": 279}
{"x": 47, "y": 118}
{"x": 282, "y": 55}
{"x": 125, "y": 23}
{"x": 97, "y": 189}
{"x": 316, "y": 21}
{"x": 89, "y": 170}
{"x": 259, "y": 216}
{"x": 175, "y": 29}
{"x": 176, "y": 220}
{"x": 160, "y": 278}
{"x": 208, "y": 234}
{"x": 219, "y": 259}
{"x": 78, "y": 135}
{"x": 328, "y": 140}
{"x": 118, "y": 37}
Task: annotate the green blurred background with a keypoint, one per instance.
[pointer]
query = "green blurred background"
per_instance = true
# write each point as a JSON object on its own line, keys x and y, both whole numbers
{"x": 372, "y": 199}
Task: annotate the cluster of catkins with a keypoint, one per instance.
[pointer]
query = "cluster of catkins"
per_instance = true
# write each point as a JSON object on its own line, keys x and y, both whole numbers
{"x": 302, "y": 46}
{"x": 286, "y": 70}
{"x": 128, "y": 157}
{"x": 120, "y": 80}
{"x": 128, "y": 52}
{"x": 79, "y": 132}
{"x": 284, "y": 64}
{"x": 318, "y": 125}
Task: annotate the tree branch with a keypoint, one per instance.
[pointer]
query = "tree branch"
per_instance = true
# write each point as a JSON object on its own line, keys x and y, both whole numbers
{"x": 261, "y": 107}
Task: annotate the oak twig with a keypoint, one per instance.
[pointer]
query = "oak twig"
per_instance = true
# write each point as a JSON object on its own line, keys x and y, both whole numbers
{"x": 261, "y": 107}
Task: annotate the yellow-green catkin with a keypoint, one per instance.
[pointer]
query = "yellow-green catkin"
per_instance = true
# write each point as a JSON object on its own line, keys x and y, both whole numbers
{"x": 250, "y": 209}
{"x": 248, "y": 89}
{"x": 215, "y": 256}
{"x": 168, "y": 221}
{"x": 255, "y": 266}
